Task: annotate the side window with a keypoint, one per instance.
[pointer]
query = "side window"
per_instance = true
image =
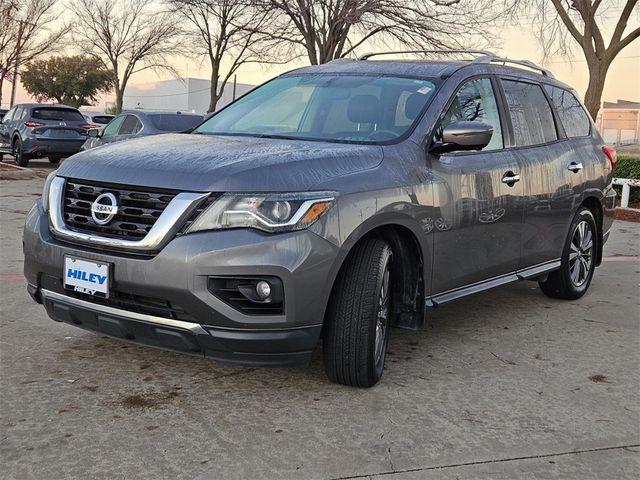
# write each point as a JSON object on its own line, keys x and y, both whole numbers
{"x": 113, "y": 127}
{"x": 129, "y": 125}
{"x": 23, "y": 114}
{"x": 574, "y": 119}
{"x": 9, "y": 115}
{"x": 475, "y": 101}
{"x": 530, "y": 113}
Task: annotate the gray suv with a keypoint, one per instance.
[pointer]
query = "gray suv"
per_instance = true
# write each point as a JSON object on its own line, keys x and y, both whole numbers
{"x": 37, "y": 130}
{"x": 331, "y": 203}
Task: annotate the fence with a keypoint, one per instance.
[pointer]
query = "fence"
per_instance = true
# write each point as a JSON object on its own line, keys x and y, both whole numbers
{"x": 626, "y": 183}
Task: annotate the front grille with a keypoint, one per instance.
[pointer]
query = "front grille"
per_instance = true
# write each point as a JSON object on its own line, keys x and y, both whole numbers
{"x": 156, "y": 307}
{"x": 138, "y": 209}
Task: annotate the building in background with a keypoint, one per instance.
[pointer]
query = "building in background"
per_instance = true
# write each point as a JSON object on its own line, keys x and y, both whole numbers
{"x": 619, "y": 122}
{"x": 181, "y": 95}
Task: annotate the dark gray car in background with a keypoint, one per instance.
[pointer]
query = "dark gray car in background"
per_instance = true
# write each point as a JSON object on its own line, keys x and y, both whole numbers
{"x": 138, "y": 123}
{"x": 35, "y": 130}
{"x": 333, "y": 202}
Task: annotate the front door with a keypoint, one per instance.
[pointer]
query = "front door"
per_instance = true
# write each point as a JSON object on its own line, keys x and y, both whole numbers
{"x": 478, "y": 199}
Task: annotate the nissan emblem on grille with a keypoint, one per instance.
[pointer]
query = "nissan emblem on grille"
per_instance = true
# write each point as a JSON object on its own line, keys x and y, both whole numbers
{"x": 104, "y": 208}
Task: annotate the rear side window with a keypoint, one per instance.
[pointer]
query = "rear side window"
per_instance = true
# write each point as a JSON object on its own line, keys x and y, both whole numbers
{"x": 530, "y": 113}
{"x": 174, "y": 122}
{"x": 57, "y": 114}
{"x": 574, "y": 119}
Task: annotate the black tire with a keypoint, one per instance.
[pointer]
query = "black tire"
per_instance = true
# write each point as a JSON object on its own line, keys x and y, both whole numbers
{"x": 359, "y": 307}
{"x": 578, "y": 260}
{"x": 54, "y": 160}
{"x": 19, "y": 157}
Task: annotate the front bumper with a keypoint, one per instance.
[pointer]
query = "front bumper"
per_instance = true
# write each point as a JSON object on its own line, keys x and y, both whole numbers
{"x": 179, "y": 274}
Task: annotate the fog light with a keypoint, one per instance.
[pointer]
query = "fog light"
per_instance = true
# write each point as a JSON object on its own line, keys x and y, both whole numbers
{"x": 263, "y": 289}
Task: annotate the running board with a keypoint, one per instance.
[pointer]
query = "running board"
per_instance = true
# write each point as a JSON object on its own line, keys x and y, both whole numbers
{"x": 524, "y": 274}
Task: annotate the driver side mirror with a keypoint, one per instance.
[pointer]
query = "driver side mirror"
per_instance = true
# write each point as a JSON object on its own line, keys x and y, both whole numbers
{"x": 463, "y": 136}
{"x": 94, "y": 132}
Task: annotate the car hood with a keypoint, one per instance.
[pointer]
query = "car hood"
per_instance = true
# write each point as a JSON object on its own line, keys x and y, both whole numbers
{"x": 220, "y": 163}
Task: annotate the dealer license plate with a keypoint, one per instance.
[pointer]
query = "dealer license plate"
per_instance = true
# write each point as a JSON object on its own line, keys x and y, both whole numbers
{"x": 86, "y": 276}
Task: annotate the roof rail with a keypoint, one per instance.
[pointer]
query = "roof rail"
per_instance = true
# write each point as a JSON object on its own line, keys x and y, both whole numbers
{"x": 482, "y": 56}
{"x": 505, "y": 61}
{"x": 479, "y": 53}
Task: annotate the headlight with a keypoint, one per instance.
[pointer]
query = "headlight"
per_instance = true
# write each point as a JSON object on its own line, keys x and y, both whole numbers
{"x": 269, "y": 212}
{"x": 45, "y": 190}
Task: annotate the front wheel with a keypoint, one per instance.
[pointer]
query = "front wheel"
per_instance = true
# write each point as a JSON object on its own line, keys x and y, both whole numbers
{"x": 356, "y": 331}
{"x": 578, "y": 259}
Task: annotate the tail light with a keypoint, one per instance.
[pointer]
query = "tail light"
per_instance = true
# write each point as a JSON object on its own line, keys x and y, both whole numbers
{"x": 34, "y": 124}
{"x": 88, "y": 126}
{"x": 611, "y": 155}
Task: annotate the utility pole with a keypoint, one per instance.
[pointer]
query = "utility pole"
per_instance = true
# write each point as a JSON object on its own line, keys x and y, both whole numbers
{"x": 16, "y": 64}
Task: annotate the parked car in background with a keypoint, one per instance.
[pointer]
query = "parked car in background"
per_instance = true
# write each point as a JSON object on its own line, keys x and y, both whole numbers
{"x": 333, "y": 202}
{"x": 137, "y": 123}
{"x": 3, "y": 111}
{"x": 97, "y": 119}
{"x": 34, "y": 130}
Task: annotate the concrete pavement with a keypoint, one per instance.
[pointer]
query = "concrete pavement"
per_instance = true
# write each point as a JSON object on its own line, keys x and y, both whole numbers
{"x": 507, "y": 384}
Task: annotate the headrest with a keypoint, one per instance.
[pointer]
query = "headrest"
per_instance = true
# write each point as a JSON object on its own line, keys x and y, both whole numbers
{"x": 413, "y": 105}
{"x": 364, "y": 109}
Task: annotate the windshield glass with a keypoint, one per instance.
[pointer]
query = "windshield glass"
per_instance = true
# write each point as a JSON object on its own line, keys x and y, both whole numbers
{"x": 174, "y": 122}
{"x": 359, "y": 109}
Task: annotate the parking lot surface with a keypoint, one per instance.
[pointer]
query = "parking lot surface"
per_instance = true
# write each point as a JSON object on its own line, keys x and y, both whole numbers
{"x": 507, "y": 384}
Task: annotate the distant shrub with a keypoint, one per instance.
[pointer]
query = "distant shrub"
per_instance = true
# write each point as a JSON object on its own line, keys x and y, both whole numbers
{"x": 628, "y": 166}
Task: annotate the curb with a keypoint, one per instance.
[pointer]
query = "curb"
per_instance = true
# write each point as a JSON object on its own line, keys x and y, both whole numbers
{"x": 627, "y": 214}
{"x": 12, "y": 172}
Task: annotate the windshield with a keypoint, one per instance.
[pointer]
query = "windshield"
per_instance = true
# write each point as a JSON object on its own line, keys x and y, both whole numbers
{"x": 359, "y": 109}
{"x": 174, "y": 122}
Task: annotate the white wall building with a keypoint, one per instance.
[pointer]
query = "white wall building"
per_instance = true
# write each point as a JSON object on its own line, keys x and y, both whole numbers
{"x": 183, "y": 95}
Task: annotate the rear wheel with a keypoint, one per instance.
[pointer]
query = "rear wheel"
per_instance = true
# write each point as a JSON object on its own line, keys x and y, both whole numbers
{"x": 54, "y": 160}
{"x": 19, "y": 156}
{"x": 578, "y": 259}
{"x": 356, "y": 331}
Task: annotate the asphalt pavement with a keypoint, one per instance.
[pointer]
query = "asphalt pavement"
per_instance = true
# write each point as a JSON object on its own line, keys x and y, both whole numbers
{"x": 504, "y": 385}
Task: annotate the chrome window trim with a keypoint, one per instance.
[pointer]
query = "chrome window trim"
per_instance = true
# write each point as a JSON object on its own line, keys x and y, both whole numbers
{"x": 141, "y": 317}
{"x": 166, "y": 226}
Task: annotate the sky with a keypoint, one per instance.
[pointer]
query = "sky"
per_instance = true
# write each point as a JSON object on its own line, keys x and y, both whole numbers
{"x": 623, "y": 80}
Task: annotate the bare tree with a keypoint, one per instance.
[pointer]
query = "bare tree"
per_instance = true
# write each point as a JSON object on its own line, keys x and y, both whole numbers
{"x": 330, "y": 29}
{"x": 127, "y": 36}
{"x": 585, "y": 22}
{"x": 26, "y": 32}
{"x": 223, "y": 31}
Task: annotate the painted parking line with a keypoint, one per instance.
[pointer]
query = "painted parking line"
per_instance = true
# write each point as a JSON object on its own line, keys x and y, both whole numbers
{"x": 12, "y": 278}
{"x": 621, "y": 258}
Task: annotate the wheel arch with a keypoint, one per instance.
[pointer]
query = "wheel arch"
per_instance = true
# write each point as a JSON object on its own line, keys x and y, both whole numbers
{"x": 595, "y": 207}
{"x": 408, "y": 268}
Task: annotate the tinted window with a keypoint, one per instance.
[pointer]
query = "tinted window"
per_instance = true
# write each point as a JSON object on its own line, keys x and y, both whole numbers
{"x": 174, "y": 122}
{"x": 347, "y": 108}
{"x": 475, "y": 101}
{"x": 130, "y": 125}
{"x": 57, "y": 114}
{"x": 102, "y": 119}
{"x": 9, "y": 115}
{"x": 573, "y": 117}
{"x": 530, "y": 113}
{"x": 113, "y": 127}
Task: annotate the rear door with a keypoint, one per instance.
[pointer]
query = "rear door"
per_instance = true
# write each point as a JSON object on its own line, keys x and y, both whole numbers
{"x": 477, "y": 229}
{"x": 545, "y": 158}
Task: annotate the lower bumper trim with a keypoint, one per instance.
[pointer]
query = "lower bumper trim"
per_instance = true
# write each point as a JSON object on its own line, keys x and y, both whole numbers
{"x": 273, "y": 347}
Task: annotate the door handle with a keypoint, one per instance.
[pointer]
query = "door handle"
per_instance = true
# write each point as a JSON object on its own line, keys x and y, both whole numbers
{"x": 510, "y": 178}
{"x": 575, "y": 167}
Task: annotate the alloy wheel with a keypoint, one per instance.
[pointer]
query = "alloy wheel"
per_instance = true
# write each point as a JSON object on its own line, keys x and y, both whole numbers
{"x": 382, "y": 318}
{"x": 581, "y": 254}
